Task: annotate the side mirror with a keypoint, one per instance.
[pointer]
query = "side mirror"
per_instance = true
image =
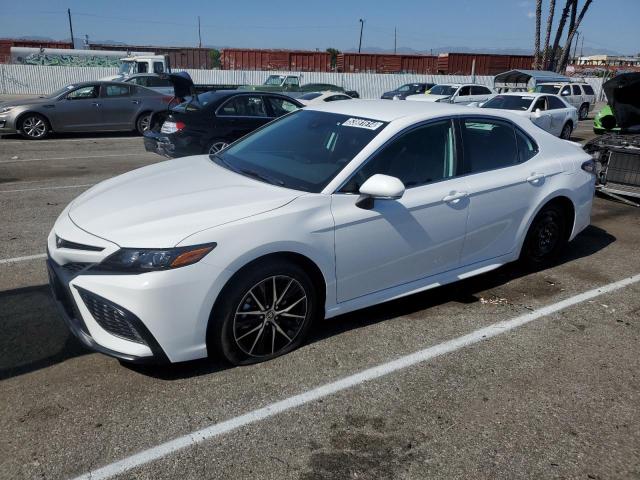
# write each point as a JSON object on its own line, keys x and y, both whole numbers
{"x": 537, "y": 113}
{"x": 379, "y": 187}
{"x": 473, "y": 104}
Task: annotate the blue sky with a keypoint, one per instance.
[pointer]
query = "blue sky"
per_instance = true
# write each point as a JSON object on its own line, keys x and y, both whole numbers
{"x": 422, "y": 24}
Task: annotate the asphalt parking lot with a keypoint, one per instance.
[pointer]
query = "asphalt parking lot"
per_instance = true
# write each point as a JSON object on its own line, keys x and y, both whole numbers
{"x": 557, "y": 397}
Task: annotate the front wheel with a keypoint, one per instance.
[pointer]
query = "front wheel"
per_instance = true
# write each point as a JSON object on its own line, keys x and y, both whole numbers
{"x": 215, "y": 146}
{"x": 546, "y": 238}
{"x": 34, "y": 127}
{"x": 265, "y": 312}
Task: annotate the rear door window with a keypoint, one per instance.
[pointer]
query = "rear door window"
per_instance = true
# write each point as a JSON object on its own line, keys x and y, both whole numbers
{"x": 281, "y": 106}
{"x": 116, "y": 91}
{"x": 588, "y": 90}
{"x": 576, "y": 89}
{"x": 479, "y": 90}
{"x": 244, "y": 106}
{"x": 488, "y": 144}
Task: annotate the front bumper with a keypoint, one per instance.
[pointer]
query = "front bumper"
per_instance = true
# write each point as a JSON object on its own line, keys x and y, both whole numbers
{"x": 7, "y": 125}
{"x": 148, "y": 317}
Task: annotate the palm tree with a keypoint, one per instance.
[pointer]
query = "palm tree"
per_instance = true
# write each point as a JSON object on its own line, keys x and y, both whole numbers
{"x": 536, "y": 49}
{"x": 575, "y": 24}
{"x": 547, "y": 37}
{"x": 556, "y": 43}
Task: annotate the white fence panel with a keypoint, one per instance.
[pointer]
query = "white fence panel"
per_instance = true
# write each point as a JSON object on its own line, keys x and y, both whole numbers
{"x": 37, "y": 79}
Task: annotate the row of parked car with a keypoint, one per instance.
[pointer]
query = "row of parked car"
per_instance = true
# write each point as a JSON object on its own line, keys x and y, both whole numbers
{"x": 180, "y": 121}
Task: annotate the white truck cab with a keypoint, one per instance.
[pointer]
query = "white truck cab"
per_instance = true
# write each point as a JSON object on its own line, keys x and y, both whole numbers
{"x": 135, "y": 64}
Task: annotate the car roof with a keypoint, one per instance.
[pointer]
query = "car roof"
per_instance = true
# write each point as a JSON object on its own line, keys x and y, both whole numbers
{"x": 386, "y": 111}
{"x": 525, "y": 94}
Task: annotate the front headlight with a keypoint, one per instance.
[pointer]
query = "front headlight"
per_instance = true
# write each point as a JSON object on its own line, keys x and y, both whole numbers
{"x": 6, "y": 109}
{"x": 140, "y": 260}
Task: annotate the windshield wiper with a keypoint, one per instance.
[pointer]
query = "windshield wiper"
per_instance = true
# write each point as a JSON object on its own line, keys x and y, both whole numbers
{"x": 260, "y": 176}
{"x": 246, "y": 171}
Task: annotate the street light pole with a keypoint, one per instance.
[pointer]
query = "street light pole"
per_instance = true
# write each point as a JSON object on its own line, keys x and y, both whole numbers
{"x": 361, "y": 27}
{"x": 71, "y": 28}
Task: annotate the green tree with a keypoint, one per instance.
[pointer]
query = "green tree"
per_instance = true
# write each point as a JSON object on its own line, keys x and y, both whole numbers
{"x": 214, "y": 53}
{"x": 333, "y": 52}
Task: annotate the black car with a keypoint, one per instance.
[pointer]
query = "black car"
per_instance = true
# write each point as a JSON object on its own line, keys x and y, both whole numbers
{"x": 208, "y": 122}
{"x": 407, "y": 89}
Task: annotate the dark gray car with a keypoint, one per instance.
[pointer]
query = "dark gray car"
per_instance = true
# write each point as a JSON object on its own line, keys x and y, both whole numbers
{"x": 83, "y": 107}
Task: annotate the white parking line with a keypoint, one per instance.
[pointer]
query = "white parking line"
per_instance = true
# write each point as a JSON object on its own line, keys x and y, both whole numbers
{"x": 172, "y": 446}
{"x": 22, "y": 259}
{"x": 47, "y": 188}
{"x": 19, "y": 160}
{"x": 9, "y": 141}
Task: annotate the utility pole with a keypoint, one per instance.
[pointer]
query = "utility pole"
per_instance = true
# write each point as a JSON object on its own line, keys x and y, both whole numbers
{"x": 199, "y": 34}
{"x": 360, "y": 43}
{"x": 70, "y": 27}
{"x": 395, "y": 40}
{"x": 582, "y": 45}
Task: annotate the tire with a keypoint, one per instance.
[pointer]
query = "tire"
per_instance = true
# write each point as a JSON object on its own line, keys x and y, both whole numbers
{"x": 583, "y": 113}
{"x": 266, "y": 332}
{"x": 565, "y": 134}
{"x": 34, "y": 126}
{"x": 215, "y": 146}
{"x": 143, "y": 122}
{"x": 546, "y": 238}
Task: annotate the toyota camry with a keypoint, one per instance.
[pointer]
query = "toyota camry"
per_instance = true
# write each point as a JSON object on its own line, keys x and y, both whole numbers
{"x": 328, "y": 209}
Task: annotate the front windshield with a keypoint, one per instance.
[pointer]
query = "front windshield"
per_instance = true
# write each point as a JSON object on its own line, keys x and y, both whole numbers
{"x": 510, "y": 102}
{"x": 442, "y": 90}
{"x": 126, "y": 68}
{"x": 552, "y": 89}
{"x": 303, "y": 150}
{"x": 274, "y": 80}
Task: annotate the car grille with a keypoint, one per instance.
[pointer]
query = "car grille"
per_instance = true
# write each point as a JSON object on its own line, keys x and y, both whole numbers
{"x": 113, "y": 318}
{"x": 75, "y": 267}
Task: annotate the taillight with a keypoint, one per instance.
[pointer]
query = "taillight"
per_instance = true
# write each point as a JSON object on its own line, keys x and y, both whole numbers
{"x": 589, "y": 166}
{"x": 180, "y": 125}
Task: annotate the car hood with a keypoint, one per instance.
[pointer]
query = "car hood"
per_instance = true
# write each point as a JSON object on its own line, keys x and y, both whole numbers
{"x": 27, "y": 101}
{"x": 623, "y": 95}
{"x": 160, "y": 205}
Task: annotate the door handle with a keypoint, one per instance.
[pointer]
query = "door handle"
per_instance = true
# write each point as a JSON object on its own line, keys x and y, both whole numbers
{"x": 455, "y": 197}
{"x": 135, "y": 101}
{"x": 95, "y": 104}
{"x": 535, "y": 177}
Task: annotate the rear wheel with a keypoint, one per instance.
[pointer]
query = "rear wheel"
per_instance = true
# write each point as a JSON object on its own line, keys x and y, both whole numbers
{"x": 583, "y": 113}
{"x": 546, "y": 238}
{"x": 143, "y": 122}
{"x": 263, "y": 313}
{"x": 566, "y": 131}
{"x": 34, "y": 126}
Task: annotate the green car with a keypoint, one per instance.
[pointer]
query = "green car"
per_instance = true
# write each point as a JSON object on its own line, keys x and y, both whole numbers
{"x": 623, "y": 105}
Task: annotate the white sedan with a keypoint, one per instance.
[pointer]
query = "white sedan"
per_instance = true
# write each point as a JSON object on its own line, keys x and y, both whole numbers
{"x": 329, "y": 209}
{"x": 454, "y": 93}
{"x": 549, "y": 112}
{"x": 319, "y": 97}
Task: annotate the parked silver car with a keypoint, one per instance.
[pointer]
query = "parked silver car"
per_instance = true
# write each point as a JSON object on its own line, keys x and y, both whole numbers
{"x": 83, "y": 107}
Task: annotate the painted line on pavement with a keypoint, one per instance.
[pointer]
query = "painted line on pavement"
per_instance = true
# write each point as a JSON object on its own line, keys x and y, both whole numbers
{"x": 108, "y": 155}
{"x": 22, "y": 259}
{"x": 47, "y": 188}
{"x": 254, "y": 416}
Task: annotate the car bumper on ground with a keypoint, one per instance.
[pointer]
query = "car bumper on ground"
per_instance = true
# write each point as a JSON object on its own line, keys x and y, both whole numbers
{"x": 153, "y": 317}
{"x": 173, "y": 146}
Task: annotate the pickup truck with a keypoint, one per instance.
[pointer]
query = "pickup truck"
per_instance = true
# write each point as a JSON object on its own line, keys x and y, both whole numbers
{"x": 291, "y": 85}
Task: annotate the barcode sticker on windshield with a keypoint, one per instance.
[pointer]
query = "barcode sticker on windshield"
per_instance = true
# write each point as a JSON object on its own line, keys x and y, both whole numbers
{"x": 362, "y": 123}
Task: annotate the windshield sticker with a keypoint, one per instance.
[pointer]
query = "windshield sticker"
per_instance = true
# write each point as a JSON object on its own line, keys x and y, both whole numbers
{"x": 362, "y": 123}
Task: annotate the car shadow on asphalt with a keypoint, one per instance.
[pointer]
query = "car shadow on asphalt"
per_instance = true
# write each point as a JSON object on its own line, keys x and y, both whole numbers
{"x": 33, "y": 337}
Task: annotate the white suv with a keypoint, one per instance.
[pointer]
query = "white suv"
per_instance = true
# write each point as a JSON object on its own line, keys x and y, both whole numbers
{"x": 579, "y": 95}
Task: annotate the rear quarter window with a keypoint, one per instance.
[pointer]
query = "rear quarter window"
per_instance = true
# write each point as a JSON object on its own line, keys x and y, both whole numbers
{"x": 588, "y": 90}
